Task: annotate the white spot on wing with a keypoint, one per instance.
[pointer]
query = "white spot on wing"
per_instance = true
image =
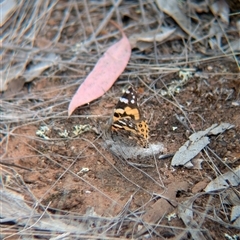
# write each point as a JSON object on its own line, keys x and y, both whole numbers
{"x": 122, "y": 122}
{"x": 132, "y": 101}
{"x": 123, "y": 100}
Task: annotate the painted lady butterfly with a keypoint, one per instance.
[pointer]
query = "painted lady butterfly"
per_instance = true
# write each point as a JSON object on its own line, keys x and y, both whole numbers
{"x": 128, "y": 125}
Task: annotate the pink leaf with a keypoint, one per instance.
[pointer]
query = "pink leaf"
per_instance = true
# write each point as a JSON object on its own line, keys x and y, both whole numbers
{"x": 104, "y": 74}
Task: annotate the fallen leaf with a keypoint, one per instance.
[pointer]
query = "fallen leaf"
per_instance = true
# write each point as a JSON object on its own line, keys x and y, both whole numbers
{"x": 104, "y": 74}
{"x": 171, "y": 8}
{"x": 14, "y": 87}
{"x": 235, "y": 213}
{"x": 220, "y": 182}
{"x": 230, "y": 197}
{"x": 163, "y": 206}
{"x": 7, "y": 9}
{"x": 215, "y": 34}
{"x": 198, "y": 187}
{"x": 197, "y": 141}
{"x": 35, "y": 70}
{"x": 232, "y": 46}
{"x": 220, "y": 8}
{"x": 198, "y": 6}
{"x": 194, "y": 164}
{"x": 11, "y": 72}
{"x": 158, "y": 35}
{"x": 185, "y": 212}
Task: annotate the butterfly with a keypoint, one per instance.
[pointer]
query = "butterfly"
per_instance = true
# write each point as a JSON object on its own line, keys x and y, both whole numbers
{"x": 128, "y": 125}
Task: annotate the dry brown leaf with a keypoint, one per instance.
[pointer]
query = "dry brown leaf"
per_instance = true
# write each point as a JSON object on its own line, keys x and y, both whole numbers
{"x": 220, "y": 8}
{"x": 171, "y": 8}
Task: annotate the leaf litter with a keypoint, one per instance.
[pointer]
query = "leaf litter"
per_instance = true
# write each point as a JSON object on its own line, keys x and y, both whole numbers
{"x": 196, "y": 143}
{"x": 228, "y": 180}
{"x": 219, "y": 183}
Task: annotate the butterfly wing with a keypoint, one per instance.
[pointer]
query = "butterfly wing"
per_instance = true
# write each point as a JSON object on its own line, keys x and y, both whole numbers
{"x": 127, "y": 121}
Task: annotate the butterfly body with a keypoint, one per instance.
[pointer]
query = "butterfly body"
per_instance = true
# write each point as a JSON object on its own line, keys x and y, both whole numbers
{"x": 128, "y": 125}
